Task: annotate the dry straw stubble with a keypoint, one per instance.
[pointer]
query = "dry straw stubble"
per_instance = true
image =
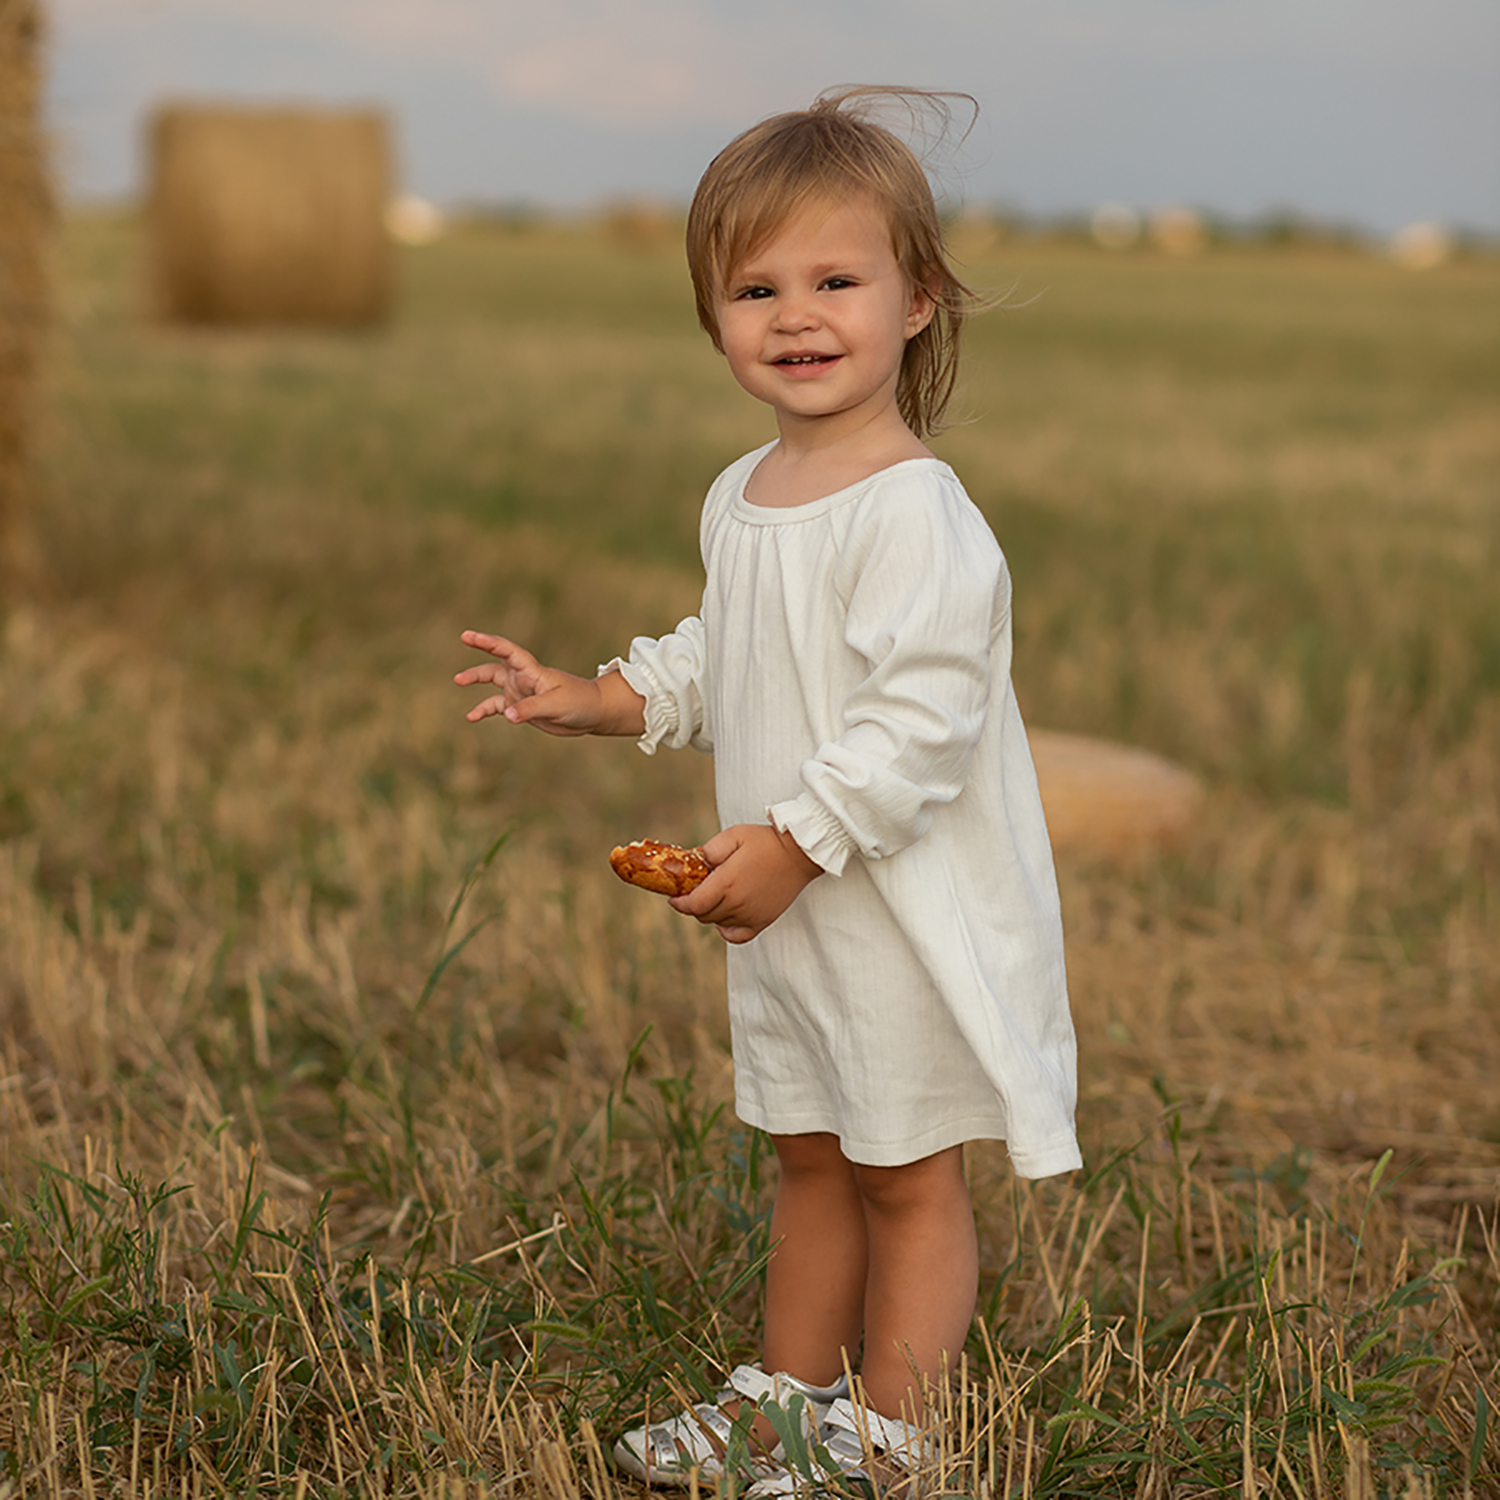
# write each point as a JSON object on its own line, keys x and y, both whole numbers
{"x": 25, "y": 220}
{"x": 237, "y": 800}
{"x": 269, "y": 215}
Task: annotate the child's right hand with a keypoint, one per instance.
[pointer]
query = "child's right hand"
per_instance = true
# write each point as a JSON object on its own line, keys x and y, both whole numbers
{"x": 554, "y": 702}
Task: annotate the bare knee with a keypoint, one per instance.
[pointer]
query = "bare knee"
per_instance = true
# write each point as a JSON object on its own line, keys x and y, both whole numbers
{"x": 811, "y": 1157}
{"x": 915, "y": 1187}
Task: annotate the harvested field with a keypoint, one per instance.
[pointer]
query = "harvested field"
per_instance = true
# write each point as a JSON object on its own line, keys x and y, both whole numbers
{"x": 348, "y": 1148}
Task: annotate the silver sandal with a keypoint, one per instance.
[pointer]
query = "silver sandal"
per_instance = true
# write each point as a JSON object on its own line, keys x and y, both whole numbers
{"x": 697, "y": 1440}
{"x": 852, "y": 1434}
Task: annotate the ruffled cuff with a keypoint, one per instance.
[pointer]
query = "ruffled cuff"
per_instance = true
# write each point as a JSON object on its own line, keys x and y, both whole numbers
{"x": 820, "y": 836}
{"x": 662, "y": 722}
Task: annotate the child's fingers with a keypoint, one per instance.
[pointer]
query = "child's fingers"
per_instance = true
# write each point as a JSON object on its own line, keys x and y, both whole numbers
{"x": 521, "y": 712}
{"x": 485, "y": 673}
{"x": 536, "y": 706}
{"x": 553, "y": 711}
{"x": 484, "y": 640}
{"x": 517, "y": 657}
{"x": 714, "y": 904}
{"x": 722, "y": 845}
{"x": 703, "y": 902}
{"x": 486, "y": 710}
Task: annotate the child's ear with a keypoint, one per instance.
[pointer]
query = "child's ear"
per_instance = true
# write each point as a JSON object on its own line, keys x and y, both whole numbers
{"x": 924, "y": 303}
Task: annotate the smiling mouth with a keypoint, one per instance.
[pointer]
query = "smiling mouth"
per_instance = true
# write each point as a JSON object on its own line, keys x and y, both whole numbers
{"x": 807, "y": 359}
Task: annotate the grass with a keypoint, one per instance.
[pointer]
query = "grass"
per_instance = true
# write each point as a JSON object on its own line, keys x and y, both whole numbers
{"x": 345, "y": 1151}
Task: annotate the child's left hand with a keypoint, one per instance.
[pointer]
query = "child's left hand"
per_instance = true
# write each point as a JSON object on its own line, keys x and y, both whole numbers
{"x": 757, "y": 874}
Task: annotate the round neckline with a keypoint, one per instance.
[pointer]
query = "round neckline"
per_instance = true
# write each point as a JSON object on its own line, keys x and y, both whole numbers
{"x": 774, "y": 515}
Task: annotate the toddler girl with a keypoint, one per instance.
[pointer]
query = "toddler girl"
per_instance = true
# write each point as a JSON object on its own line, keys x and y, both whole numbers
{"x": 882, "y": 872}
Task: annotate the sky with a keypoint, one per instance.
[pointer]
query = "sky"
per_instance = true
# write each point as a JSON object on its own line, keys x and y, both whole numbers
{"x": 1376, "y": 113}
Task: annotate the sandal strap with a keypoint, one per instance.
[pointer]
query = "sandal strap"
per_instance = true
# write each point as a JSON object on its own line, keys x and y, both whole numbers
{"x": 706, "y": 1415}
{"x": 753, "y": 1383}
{"x": 820, "y": 1396}
{"x": 749, "y": 1381}
{"x": 699, "y": 1437}
{"x": 693, "y": 1430}
{"x": 664, "y": 1453}
{"x": 889, "y": 1435}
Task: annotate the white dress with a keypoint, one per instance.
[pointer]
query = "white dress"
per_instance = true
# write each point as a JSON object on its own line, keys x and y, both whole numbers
{"x": 850, "y": 673}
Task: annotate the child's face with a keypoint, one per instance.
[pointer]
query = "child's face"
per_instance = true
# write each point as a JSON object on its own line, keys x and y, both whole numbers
{"x": 815, "y": 322}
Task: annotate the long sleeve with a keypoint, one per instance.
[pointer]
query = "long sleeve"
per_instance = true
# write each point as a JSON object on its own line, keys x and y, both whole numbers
{"x": 858, "y": 687}
{"x": 670, "y": 674}
{"x": 927, "y": 608}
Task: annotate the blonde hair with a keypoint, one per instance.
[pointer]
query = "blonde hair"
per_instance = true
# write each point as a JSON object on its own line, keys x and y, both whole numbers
{"x": 835, "y": 151}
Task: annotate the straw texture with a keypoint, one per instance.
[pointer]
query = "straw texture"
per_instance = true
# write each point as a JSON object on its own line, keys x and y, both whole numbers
{"x": 269, "y": 215}
{"x": 25, "y": 223}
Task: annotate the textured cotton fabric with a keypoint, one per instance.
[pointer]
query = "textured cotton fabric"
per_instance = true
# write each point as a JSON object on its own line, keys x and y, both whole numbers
{"x": 850, "y": 673}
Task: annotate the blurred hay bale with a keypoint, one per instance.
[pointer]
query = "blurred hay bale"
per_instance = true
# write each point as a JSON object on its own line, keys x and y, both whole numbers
{"x": 1179, "y": 231}
{"x": 25, "y": 225}
{"x": 1103, "y": 798}
{"x": 642, "y": 224}
{"x": 410, "y": 220}
{"x": 269, "y": 215}
{"x": 1421, "y": 247}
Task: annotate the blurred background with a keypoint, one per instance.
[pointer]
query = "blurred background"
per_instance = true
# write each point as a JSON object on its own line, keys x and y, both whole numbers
{"x": 354, "y": 1120}
{"x": 1367, "y": 113}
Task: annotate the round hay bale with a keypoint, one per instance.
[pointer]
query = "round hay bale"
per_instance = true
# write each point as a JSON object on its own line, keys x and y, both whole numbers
{"x": 1179, "y": 231}
{"x": 25, "y": 230}
{"x": 1103, "y": 798}
{"x": 642, "y": 224}
{"x": 1421, "y": 247}
{"x": 410, "y": 220}
{"x": 269, "y": 215}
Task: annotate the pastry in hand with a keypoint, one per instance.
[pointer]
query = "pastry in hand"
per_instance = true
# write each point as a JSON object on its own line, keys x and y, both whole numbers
{"x": 664, "y": 868}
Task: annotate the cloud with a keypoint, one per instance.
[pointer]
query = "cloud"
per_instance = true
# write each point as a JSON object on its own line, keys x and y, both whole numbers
{"x": 1380, "y": 110}
{"x": 622, "y": 61}
{"x": 637, "y": 61}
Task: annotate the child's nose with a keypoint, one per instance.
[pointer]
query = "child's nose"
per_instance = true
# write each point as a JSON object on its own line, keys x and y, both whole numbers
{"x": 796, "y": 312}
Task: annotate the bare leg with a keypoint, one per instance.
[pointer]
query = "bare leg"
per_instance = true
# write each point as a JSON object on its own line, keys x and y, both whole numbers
{"x": 887, "y": 1251}
{"x": 815, "y": 1283}
{"x": 923, "y": 1276}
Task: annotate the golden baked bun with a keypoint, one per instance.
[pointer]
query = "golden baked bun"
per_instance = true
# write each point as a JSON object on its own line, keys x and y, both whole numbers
{"x": 664, "y": 868}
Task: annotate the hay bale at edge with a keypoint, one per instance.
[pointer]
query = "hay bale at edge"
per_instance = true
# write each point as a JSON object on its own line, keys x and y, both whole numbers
{"x": 25, "y": 229}
{"x": 269, "y": 215}
{"x": 1108, "y": 800}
